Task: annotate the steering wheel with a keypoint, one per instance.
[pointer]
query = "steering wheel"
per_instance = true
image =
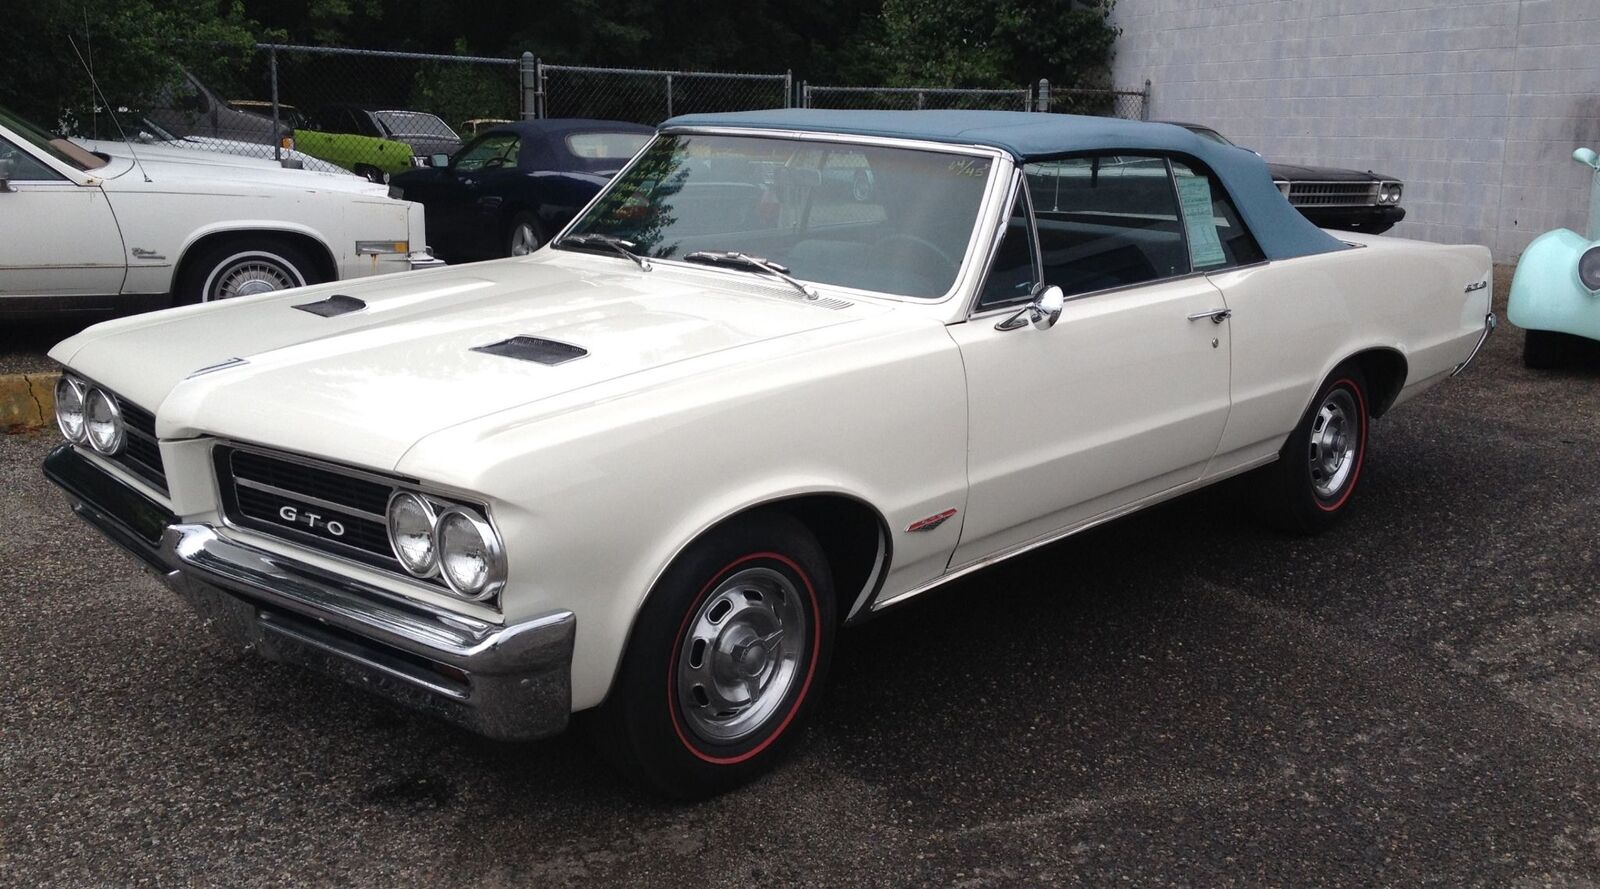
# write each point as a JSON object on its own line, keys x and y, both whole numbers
{"x": 920, "y": 242}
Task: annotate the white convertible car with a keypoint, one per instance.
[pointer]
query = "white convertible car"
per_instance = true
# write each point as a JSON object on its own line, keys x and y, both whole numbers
{"x": 651, "y": 469}
{"x": 83, "y": 230}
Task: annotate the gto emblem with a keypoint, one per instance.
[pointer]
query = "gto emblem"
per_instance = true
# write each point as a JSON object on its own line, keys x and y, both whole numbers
{"x": 311, "y": 519}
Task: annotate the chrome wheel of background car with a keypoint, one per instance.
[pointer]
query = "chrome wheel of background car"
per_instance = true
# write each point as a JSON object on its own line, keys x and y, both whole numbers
{"x": 524, "y": 239}
{"x": 741, "y": 654}
{"x": 250, "y": 273}
{"x": 1335, "y": 435}
{"x": 861, "y": 186}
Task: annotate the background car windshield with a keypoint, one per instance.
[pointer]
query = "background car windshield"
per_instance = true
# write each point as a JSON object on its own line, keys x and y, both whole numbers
{"x": 892, "y": 220}
{"x": 415, "y": 123}
{"x": 491, "y": 152}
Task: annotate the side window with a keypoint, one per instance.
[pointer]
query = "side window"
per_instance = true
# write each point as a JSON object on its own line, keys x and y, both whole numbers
{"x": 1107, "y": 221}
{"x": 1011, "y": 278}
{"x": 491, "y": 152}
{"x": 1217, "y": 238}
{"x": 25, "y": 167}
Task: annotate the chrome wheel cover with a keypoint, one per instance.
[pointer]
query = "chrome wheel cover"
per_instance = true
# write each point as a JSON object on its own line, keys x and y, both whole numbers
{"x": 524, "y": 240}
{"x": 1335, "y": 437}
{"x": 247, "y": 274}
{"x": 740, "y": 655}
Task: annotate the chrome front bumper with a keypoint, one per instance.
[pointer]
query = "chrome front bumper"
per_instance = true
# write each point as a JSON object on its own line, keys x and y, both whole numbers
{"x": 511, "y": 683}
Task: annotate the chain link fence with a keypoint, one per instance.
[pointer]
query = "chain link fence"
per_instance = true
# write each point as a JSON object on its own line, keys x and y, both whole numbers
{"x": 649, "y": 97}
{"x": 914, "y": 98}
{"x": 377, "y": 113}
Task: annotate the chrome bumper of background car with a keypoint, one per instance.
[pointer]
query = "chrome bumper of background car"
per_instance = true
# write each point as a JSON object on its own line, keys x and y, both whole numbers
{"x": 511, "y": 683}
{"x": 424, "y": 259}
{"x": 1490, "y": 322}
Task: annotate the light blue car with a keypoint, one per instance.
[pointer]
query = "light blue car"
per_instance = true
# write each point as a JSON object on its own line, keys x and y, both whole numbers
{"x": 1555, "y": 295}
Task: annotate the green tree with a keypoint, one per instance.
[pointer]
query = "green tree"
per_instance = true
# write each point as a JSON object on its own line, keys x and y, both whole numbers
{"x": 998, "y": 44}
{"x": 135, "y": 47}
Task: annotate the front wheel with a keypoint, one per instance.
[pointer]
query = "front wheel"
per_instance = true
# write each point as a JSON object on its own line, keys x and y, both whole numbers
{"x": 244, "y": 266}
{"x": 523, "y": 235}
{"x": 724, "y": 662}
{"x": 1317, "y": 470}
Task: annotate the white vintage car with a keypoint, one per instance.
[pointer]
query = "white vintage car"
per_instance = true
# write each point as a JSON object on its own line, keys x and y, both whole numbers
{"x": 81, "y": 230}
{"x": 652, "y": 469}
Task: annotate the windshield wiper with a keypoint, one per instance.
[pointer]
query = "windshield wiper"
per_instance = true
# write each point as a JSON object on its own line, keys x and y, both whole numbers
{"x": 611, "y": 242}
{"x": 745, "y": 260}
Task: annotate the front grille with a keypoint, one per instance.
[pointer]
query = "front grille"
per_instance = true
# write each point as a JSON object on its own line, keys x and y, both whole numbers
{"x": 140, "y": 454}
{"x": 1333, "y": 194}
{"x": 334, "y": 509}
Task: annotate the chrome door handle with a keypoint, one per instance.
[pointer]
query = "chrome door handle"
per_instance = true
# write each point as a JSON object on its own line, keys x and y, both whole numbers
{"x": 1217, "y": 316}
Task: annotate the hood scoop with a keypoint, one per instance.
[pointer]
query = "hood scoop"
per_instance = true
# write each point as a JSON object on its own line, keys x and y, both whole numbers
{"x": 338, "y": 304}
{"x": 536, "y": 349}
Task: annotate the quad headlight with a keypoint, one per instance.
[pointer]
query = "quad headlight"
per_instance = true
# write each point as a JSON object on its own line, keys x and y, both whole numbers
{"x": 1389, "y": 193}
{"x": 451, "y": 542}
{"x": 1589, "y": 269}
{"x": 70, "y": 395}
{"x": 102, "y": 422}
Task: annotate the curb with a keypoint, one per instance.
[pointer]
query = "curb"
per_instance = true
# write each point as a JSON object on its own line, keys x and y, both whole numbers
{"x": 27, "y": 401}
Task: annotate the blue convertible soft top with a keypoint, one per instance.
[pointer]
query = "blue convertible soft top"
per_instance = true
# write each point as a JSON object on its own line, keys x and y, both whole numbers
{"x": 1280, "y": 229}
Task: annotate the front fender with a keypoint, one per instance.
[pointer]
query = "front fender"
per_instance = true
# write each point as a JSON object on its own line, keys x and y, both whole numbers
{"x": 1546, "y": 293}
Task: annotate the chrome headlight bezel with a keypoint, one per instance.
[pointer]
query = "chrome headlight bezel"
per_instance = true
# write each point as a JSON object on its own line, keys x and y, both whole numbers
{"x": 71, "y": 390}
{"x": 428, "y": 567}
{"x": 457, "y": 521}
{"x": 97, "y": 400}
{"x": 1390, "y": 192}
{"x": 1588, "y": 268}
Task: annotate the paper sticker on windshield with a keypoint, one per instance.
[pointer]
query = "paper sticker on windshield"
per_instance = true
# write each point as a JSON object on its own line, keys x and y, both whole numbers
{"x": 1204, "y": 247}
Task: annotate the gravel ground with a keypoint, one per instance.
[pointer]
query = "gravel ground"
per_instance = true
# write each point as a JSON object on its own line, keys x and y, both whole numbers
{"x": 1177, "y": 698}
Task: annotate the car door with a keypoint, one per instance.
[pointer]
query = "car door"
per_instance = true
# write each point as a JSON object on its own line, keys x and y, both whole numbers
{"x": 57, "y": 237}
{"x": 1126, "y": 395}
{"x": 473, "y": 191}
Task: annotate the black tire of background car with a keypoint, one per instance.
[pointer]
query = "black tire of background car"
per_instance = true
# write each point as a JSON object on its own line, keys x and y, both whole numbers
{"x": 371, "y": 173}
{"x": 1545, "y": 349}
{"x": 520, "y": 218}
{"x": 1286, "y": 498}
{"x": 639, "y": 727}
{"x": 196, "y": 269}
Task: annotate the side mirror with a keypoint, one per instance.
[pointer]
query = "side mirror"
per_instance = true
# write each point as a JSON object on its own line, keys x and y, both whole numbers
{"x": 1042, "y": 313}
{"x": 1587, "y": 157}
{"x": 8, "y": 165}
{"x": 439, "y": 160}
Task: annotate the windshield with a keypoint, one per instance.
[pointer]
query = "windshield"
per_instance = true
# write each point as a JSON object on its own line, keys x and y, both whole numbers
{"x": 415, "y": 123}
{"x": 58, "y": 148}
{"x": 892, "y": 220}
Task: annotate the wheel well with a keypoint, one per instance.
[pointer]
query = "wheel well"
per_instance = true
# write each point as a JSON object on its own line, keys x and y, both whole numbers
{"x": 1385, "y": 370}
{"x": 850, "y": 532}
{"x": 327, "y": 269}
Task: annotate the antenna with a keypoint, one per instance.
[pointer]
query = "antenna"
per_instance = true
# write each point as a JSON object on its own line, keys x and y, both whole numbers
{"x": 109, "y": 110}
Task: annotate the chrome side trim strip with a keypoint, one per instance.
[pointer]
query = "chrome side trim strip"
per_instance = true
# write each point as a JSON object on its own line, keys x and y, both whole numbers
{"x": 1490, "y": 322}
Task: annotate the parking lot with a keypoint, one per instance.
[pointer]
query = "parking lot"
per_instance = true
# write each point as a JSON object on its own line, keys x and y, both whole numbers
{"x": 1177, "y": 698}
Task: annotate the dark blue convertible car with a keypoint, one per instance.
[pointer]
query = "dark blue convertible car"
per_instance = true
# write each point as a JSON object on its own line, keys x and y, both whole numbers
{"x": 513, "y": 187}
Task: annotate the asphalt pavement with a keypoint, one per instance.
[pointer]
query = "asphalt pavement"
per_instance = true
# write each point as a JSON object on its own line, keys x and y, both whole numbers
{"x": 1179, "y": 698}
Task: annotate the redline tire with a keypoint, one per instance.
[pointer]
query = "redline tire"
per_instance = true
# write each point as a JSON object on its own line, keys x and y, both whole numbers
{"x": 670, "y": 721}
{"x": 1319, "y": 467}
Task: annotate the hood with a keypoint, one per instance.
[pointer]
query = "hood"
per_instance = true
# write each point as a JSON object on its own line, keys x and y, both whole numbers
{"x": 218, "y": 152}
{"x": 363, "y": 387}
{"x": 1303, "y": 173}
{"x": 178, "y": 170}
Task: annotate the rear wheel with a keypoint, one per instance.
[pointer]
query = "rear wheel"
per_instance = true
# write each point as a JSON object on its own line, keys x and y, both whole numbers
{"x": 523, "y": 235}
{"x": 244, "y": 266}
{"x": 725, "y": 660}
{"x": 1544, "y": 349}
{"x": 1317, "y": 470}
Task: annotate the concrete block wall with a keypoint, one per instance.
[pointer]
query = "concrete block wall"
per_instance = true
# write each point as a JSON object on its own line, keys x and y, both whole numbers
{"x": 1475, "y": 104}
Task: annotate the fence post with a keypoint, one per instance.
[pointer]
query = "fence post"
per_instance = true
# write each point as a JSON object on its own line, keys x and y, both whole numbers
{"x": 528, "y": 77}
{"x": 1144, "y": 110}
{"x": 788, "y": 88}
{"x": 277, "y": 141}
{"x": 1044, "y": 94}
{"x": 669, "y": 95}
{"x": 922, "y": 99}
{"x": 805, "y": 94}
{"x": 542, "y": 97}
